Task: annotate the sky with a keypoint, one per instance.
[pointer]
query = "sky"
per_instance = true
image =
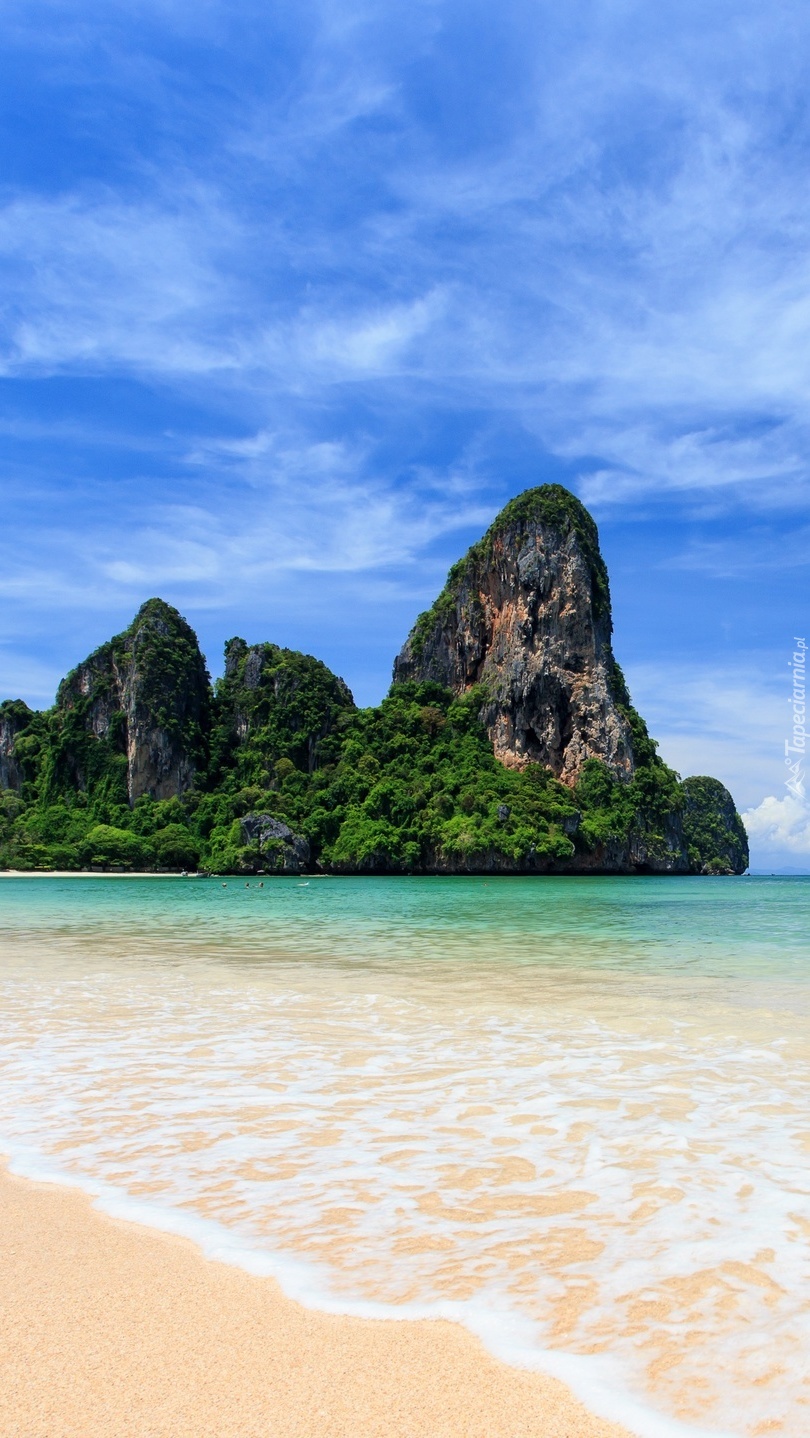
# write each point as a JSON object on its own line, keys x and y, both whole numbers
{"x": 296, "y": 297}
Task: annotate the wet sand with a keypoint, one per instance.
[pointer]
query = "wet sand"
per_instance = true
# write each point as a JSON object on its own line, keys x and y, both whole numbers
{"x": 108, "y": 1328}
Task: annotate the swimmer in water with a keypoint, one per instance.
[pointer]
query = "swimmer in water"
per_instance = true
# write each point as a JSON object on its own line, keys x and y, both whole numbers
{"x": 261, "y": 886}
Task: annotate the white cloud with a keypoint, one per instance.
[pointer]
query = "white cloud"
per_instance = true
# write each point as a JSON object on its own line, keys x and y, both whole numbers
{"x": 782, "y": 825}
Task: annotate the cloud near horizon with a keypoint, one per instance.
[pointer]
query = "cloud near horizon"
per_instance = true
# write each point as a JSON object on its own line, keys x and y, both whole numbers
{"x": 780, "y": 825}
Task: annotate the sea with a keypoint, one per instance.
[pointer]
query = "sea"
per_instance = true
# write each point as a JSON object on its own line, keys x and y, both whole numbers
{"x": 571, "y": 1114}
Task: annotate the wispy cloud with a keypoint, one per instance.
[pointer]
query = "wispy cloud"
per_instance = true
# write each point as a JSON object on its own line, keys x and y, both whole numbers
{"x": 95, "y": 284}
{"x": 610, "y": 265}
{"x": 761, "y": 551}
{"x": 297, "y": 265}
{"x": 268, "y": 505}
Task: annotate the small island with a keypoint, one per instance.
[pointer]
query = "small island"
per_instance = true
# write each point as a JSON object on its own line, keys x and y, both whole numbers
{"x": 507, "y": 744}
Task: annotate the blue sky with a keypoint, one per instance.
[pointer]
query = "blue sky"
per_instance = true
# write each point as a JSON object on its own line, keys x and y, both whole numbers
{"x": 294, "y": 298}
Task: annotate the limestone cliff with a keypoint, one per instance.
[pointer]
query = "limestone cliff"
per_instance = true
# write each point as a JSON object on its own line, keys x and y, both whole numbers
{"x": 526, "y": 615}
{"x": 715, "y": 834}
{"x": 140, "y": 764}
{"x": 15, "y": 719}
{"x": 277, "y": 704}
{"x": 137, "y": 709}
{"x": 524, "y": 622}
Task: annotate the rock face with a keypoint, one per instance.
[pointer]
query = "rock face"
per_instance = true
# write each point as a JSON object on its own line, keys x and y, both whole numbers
{"x": 280, "y": 702}
{"x": 15, "y": 716}
{"x": 281, "y": 850}
{"x": 142, "y": 699}
{"x": 714, "y": 832}
{"x": 526, "y": 614}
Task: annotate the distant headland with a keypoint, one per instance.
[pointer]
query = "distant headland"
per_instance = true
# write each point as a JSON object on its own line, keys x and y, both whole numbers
{"x": 507, "y": 743}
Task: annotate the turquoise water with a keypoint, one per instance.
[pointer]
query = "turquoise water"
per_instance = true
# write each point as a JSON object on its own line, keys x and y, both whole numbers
{"x": 718, "y": 928}
{"x": 570, "y": 1113}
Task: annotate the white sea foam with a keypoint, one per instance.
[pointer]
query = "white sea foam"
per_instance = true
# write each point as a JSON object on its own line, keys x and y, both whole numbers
{"x": 608, "y": 1185}
{"x": 505, "y": 1334}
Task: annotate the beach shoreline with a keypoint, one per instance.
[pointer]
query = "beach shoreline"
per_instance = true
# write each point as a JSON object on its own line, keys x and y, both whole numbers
{"x": 101, "y": 874}
{"x": 110, "y": 1329}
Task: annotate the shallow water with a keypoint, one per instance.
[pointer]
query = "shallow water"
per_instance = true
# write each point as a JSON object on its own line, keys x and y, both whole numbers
{"x": 571, "y": 1113}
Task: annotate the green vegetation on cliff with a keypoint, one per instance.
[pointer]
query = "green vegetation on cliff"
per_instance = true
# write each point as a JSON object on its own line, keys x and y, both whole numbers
{"x": 409, "y": 785}
{"x": 714, "y": 832}
{"x": 273, "y": 704}
{"x": 148, "y": 682}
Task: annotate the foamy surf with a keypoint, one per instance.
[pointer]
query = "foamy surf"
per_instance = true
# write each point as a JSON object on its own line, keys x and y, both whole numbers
{"x": 502, "y": 1332}
{"x": 602, "y": 1178}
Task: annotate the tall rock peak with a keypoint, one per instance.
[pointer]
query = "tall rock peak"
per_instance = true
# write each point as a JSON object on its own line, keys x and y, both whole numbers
{"x": 526, "y": 615}
{"x": 145, "y": 697}
{"x": 283, "y": 701}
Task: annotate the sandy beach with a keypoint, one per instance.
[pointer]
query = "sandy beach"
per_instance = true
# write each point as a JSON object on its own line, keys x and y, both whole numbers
{"x": 483, "y": 1138}
{"x": 109, "y": 1328}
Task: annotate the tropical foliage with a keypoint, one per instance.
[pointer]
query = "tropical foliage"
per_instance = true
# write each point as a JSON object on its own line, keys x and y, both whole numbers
{"x": 412, "y": 784}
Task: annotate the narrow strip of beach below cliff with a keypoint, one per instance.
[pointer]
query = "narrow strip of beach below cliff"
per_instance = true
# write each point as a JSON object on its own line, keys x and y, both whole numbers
{"x": 95, "y": 874}
{"x": 110, "y": 1330}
